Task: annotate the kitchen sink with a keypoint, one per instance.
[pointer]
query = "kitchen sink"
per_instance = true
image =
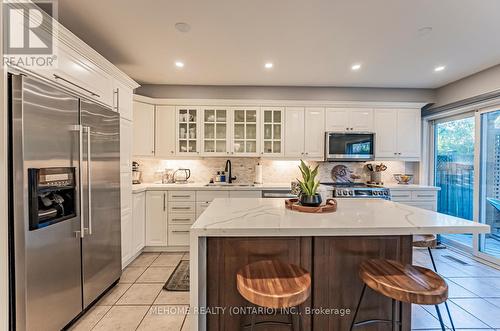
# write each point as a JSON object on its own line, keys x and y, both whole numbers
{"x": 228, "y": 185}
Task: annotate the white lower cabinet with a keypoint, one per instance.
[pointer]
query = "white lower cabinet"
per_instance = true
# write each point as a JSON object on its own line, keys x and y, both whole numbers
{"x": 139, "y": 221}
{"x": 127, "y": 237}
{"x": 178, "y": 235}
{"x": 126, "y": 216}
{"x": 425, "y": 199}
{"x": 245, "y": 194}
{"x": 156, "y": 218}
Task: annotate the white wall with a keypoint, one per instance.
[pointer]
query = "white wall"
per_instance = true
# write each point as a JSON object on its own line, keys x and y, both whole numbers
{"x": 482, "y": 82}
{"x": 287, "y": 93}
{"x": 4, "y": 290}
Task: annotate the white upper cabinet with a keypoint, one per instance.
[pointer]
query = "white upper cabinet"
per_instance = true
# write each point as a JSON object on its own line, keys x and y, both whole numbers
{"x": 165, "y": 131}
{"x": 144, "y": 129}
{"x": 305, "y": 132}
{"x": 386, "y": 125}
{"x": 349, "y": 119}
{"x": 187, "y": 130}
{"x": 245, "y": 131}
{"x": 294, "y": 132}
{"x": 215, "y": 131}
{"x": 314, "y": 139}
{"x": 409, "y": 135}
{"x": 397, "y": 133}
{"x": 272, "y": 120}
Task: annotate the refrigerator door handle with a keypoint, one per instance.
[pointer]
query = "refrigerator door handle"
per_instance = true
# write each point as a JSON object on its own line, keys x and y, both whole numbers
{"x": 89, "y": 181}
{"x": 80, "y": 175}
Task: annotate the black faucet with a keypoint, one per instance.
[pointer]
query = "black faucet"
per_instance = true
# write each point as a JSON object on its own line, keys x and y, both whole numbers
{"x": 230, "y": 177}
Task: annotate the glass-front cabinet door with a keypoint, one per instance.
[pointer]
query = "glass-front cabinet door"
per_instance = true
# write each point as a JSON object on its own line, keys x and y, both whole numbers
{"x": 187, "y": 131}
{"x": 245, "y": 131}
{"x": 272, "y": 131}
{"x": 214, "y": 135}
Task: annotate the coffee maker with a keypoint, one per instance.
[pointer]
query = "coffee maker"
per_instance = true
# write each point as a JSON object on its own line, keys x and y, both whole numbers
{"x": 136, "y": 173}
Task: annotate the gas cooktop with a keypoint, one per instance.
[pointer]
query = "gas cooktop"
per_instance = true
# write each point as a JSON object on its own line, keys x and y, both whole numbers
{"x": 358, "y": 190}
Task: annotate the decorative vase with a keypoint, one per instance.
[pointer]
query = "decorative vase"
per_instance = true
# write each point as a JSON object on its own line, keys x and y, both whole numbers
{"x": 310, "y": 200}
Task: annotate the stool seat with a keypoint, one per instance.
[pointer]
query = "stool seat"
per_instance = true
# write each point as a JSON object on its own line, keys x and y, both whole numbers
{"x": 406, "y": 283}
{"x": 425, "y": 240}
{"x": 273, "y": 284}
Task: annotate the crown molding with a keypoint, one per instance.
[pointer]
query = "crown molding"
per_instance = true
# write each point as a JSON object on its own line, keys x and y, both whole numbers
{"x": 275, "y": 103}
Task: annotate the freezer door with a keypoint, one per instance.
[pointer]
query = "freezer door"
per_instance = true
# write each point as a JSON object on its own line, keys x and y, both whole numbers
{"x": 46, "y": 288}
{"x": 101, "y": 246}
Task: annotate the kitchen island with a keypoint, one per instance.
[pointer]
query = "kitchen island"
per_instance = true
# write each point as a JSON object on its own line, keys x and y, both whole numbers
{"x": 234, "y": 232}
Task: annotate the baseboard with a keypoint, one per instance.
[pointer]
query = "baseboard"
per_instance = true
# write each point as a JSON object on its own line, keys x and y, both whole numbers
{"x": 170, "y": 249}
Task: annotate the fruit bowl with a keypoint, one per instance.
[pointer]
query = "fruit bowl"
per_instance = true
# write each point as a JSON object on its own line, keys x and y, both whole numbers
{"x": 403, "y": 178}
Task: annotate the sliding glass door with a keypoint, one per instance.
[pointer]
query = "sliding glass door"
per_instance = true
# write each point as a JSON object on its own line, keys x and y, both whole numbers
{"x": 466, "y": 157}
{"x": 489, "y": 183}
{"x": 454, "y": 170}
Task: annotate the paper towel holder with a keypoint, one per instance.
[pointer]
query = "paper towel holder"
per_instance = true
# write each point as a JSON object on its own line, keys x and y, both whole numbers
{"x": 258, "y": 174}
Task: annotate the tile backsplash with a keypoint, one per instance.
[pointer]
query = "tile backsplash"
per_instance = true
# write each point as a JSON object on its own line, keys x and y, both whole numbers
{"x": 273, "y": 171}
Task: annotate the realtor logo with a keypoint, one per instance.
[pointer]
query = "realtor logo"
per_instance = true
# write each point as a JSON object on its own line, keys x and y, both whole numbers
{"x": 28, "y": 33}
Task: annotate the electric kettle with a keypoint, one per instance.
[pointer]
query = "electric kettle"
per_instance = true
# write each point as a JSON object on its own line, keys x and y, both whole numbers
{"x": 181, "y": 176}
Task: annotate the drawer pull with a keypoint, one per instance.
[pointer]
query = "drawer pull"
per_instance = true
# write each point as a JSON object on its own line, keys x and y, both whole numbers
{"x": 179, "y": 231}
{"x": 400, "y": 196}
{"x": 183, "y": 208}
{"x": 181, "y": 196}
{"x": 181, "y": 219}
{"x": 425, "y": 195}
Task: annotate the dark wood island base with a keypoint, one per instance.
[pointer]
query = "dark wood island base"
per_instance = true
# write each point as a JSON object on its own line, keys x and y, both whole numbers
{"x": 333, "y": 263}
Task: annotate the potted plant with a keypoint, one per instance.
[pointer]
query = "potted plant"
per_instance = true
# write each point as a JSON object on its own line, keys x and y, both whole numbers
{"x": 309, "y": 186}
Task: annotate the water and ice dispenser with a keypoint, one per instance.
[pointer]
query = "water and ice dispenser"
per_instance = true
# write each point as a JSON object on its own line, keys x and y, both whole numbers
{"x": 52, "y": 196}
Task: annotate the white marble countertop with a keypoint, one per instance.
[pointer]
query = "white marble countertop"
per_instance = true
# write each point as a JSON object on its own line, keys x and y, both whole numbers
{"x": 137, "y": 188}
{"x": 354, "y": 217}
{"x": 411, "y": 187}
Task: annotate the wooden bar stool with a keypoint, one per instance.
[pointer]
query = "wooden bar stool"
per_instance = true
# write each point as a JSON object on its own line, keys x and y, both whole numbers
{"x": 429, "y": 241}
{"x": 401, "y": 283}
{"x": 275, "y": 285}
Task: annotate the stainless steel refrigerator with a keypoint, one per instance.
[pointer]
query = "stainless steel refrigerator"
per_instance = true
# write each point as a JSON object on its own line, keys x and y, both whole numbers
{"x": 64, "y": 215}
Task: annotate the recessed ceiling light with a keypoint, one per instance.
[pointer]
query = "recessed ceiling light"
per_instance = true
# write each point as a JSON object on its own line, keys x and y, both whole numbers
{"x": 179, "y": 64}
{"x": 424, "y": 31}
{"x": 439, "y": 68}
{"x": 268, "y": 65}
{"x": 356, "y": 66}
{"x": 182, "y": 27}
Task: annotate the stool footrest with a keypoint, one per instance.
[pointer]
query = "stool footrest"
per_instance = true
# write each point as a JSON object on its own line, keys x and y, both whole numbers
{"x": 365, "y": 322}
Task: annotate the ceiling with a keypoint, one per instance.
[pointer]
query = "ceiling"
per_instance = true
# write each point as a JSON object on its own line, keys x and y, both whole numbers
{"x": 311, "y": 43}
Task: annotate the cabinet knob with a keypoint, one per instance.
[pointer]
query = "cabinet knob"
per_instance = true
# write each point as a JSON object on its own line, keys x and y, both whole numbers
{"x": 395, "y": 153}
{"x": 307, "y": 153}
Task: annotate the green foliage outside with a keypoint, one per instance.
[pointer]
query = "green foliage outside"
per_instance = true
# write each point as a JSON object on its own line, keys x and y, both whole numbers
{"x": 456, "y": 138}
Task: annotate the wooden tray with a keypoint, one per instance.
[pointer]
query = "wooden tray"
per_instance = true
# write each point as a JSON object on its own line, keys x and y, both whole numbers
{"x": 329, "y": 207}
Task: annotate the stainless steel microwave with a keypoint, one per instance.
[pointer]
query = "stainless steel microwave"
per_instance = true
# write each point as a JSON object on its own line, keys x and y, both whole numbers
{"x": 351, "y": 146}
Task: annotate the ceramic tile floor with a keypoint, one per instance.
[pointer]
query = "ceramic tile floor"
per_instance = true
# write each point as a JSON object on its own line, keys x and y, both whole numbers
{"x": 139, "y": 303}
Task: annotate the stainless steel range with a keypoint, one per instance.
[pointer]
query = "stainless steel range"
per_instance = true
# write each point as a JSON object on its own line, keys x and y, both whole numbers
{"x": 357, "y": 190}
